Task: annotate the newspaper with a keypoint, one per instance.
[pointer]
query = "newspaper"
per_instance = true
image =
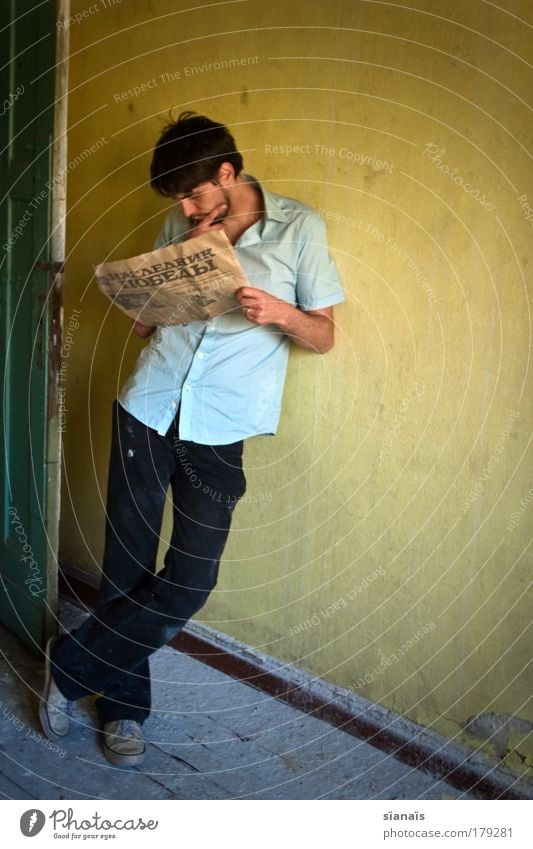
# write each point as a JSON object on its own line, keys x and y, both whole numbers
{"x": 194, "y": 280}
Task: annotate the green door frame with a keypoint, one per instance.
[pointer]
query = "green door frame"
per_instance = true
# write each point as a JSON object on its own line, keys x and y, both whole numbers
{"x": 32, "y": 230}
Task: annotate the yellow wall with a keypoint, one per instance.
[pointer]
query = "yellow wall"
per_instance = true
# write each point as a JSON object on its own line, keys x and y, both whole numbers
{"x": 382, "y": 541}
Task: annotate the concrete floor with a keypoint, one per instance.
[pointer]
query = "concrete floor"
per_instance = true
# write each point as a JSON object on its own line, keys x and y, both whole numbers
{"x": 210, "y": 737}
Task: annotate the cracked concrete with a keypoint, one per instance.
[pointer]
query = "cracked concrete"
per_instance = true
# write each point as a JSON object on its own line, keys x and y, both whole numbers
{"x": 503, "y": 732}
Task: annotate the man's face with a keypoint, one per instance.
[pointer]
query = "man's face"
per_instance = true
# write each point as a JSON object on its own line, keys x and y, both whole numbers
{"x": 202, "y": 200}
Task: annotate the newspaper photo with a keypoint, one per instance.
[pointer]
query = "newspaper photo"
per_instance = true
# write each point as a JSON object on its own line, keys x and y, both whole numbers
{"x": 194, "y": 280}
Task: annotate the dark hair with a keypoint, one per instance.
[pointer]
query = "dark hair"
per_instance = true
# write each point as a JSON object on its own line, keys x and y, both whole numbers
{"x": 189, "y": 152}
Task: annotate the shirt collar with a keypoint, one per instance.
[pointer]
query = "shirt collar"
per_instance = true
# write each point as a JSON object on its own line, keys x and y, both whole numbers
{"x": 273, "y": 210}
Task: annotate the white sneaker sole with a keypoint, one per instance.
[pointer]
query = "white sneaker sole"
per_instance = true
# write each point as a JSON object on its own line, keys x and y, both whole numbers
{"x": 43, "y": 704}
{"x": 122, "y": 760}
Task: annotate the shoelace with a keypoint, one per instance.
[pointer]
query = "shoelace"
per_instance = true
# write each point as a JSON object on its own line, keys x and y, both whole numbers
{"x": 128, "y": 728}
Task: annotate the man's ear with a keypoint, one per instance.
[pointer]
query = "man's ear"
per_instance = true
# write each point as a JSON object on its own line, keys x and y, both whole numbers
{"x": 226, "y": 174}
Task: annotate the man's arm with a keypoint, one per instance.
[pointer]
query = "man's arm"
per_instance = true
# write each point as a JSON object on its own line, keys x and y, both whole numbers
{"x": 312, "y": 329}
{"x": 316, "y": 280}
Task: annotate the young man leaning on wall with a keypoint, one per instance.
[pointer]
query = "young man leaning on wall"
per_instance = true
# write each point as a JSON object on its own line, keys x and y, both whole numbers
{"x": 197, "y": 391}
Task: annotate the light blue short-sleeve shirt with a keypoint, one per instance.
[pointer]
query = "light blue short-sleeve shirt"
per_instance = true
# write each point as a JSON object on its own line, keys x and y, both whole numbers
{"x": 227, "y": 375}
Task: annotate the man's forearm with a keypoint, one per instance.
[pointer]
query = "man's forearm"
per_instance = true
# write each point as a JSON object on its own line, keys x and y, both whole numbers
{"x": 308, "y": 330}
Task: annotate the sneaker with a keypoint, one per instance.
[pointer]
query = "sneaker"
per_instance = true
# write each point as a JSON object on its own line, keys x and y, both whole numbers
{"x": 54, "y": 708}
{"x": 124, "y": 742}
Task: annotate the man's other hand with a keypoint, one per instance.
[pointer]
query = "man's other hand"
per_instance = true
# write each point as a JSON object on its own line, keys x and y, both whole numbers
{"x": 261, "y": 308}
{"x": 309, "y": 329}
{"x": 142, "y": 330}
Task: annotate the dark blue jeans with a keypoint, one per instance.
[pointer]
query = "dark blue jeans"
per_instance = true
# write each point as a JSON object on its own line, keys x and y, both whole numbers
{"x": 139, "y": 611}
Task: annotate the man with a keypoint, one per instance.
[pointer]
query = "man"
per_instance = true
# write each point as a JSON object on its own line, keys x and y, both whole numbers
{"x": 197, "y": 391}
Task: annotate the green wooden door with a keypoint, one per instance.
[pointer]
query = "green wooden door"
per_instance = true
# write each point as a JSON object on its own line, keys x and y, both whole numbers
{"x": 30, "y": 322}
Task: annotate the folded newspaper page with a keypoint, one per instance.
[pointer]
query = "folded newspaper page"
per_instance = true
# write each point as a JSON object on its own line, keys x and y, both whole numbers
{"x": 190, "y": 281}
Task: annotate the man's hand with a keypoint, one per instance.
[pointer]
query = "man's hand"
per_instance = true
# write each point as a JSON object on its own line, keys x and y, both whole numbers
{"x": 142, "y": 330}
{"x": 312, "y": 329}
{"x": 261, "y": 308}
{"x": 209, "y": 222}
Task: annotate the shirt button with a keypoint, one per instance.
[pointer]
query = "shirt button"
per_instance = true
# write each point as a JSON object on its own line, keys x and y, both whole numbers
{"x": 187, "y": 387}
{"x": 200, "y": 355}
{"x": 174, "y": 405}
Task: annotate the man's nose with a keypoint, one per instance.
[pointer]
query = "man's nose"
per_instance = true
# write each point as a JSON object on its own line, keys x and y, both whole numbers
{"x": 188, "y": 207}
